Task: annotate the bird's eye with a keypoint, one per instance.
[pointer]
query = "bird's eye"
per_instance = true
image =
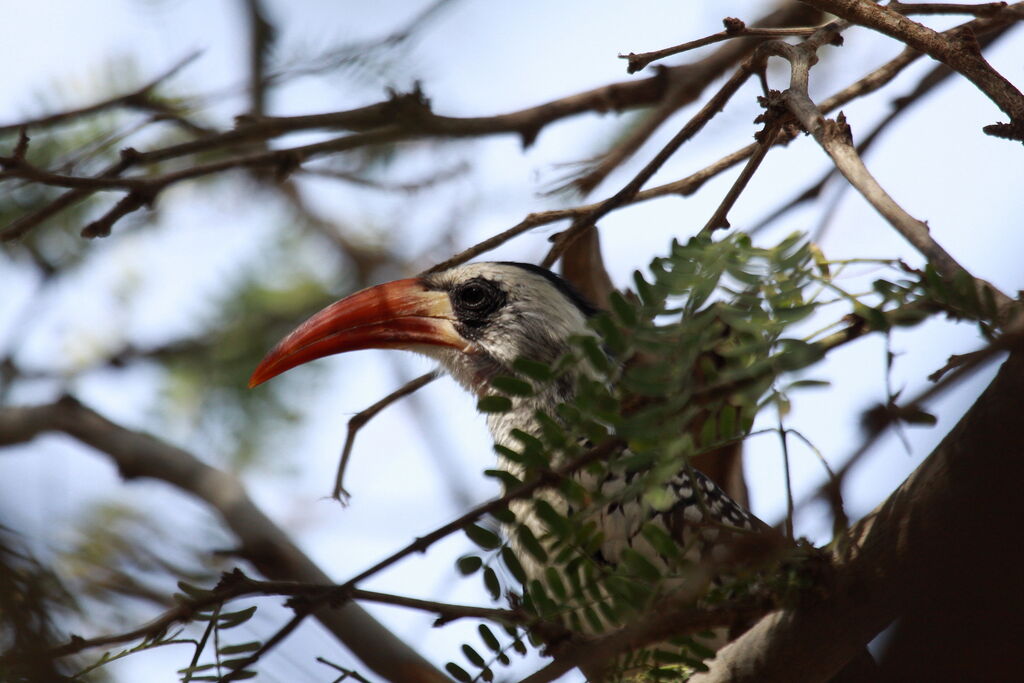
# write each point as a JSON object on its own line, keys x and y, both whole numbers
{"x": 473, "y": 295}
{"x": 477, "y": 299}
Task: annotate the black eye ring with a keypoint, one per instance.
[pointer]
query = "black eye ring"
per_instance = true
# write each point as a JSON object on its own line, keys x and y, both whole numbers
{"x": 476, "y": 300}
{"x": 473, "y": 295}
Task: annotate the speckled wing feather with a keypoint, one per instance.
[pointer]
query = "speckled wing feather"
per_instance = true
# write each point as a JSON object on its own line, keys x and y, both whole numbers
{"x": 699, "y": 517}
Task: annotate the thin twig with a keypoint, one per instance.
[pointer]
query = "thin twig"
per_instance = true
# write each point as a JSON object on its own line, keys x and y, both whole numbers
{"x": 262, "y": 542}
{"x": 359, "y": 420}
{"x": 959, "y": 52}
{"x": 734, "y": 28}
{"x": 987, "y": 33}
{"x": 132, "y": 98}
{"x": 629, "y": 191}
{"x": 235, "y": 585}
{"x": 784, "y": 442}
{"x": 766, "y": 140}
{"x": 836, "y": 139}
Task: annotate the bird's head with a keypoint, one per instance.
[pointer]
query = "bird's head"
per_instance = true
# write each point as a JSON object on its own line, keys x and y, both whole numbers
{"x": 475, "y": 319}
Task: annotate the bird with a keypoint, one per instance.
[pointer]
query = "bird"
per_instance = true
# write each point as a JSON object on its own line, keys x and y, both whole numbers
{"x": 476, "y": 320}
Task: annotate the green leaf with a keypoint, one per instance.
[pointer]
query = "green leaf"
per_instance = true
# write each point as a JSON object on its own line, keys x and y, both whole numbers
{"x": 194, "y": 592}
{"x": 644, "y": 289}
{"x": 555, "y": 584}
{"x": 508, "y": 557}
{"x": 918, "y": 417}
{"x": 512, "y": 386}
{"x": 531, "y": 544}
{"x": 794, "y": 314}
{"x": 486, "y": 539}
{"x": 490, "y": 640}
{"x": 457, "y": 672}
{"x": 660, "y": 540}
{"x": 231, "y": 663}
{"x": 236, "y": 649}
{"x": 595, "y": 354}
{"x": 200, "y": 667}
{"x": 232, "y": 619}
{"x": 504, "y": 515}
{"x": 491, "y": 583}
{"x": 594, "y": 621}
{"x": 609, "y": 613}
{"x": 558, "y": 524}
{"x": 468, "y": 564}
{"x": 797, "y": 354}
{"x": 708, "y": 432}
{"x": 494, "y": 404}
{"x": 544, "y": 605}
{"x": 509, "y": 480}
{"x": 473, "y": 656}
{"x": 623, "y": 309}
{"x": 727, "y": 421}
{"x": 533, "y": 369}
{"x": 610, "y": 333}
{"x": 639, "y": 565}
{"x": 808, "y": 384}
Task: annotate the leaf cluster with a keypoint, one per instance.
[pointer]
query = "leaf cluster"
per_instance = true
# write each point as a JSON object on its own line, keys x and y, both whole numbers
{"x": 679, "y": 368}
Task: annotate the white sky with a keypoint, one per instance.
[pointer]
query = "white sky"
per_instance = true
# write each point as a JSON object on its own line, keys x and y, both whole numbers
{"x": 479, "y": 58}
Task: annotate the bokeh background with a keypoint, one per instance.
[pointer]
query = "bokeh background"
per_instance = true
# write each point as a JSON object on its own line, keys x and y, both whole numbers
{"x": 158, "y": 325}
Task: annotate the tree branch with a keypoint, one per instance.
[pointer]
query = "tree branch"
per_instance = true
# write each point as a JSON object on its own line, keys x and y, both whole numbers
{"x": 136, "y": 98}
{"x": 958, "y": 52}
{"x": 904, "y": 554}
{"x": 263, "y": 543}
{"x": 734, "y": 28}
{"x": 835, "y": 138}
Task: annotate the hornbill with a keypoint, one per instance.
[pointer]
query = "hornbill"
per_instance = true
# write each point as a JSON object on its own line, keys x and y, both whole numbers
{"x": 476, "y": 320}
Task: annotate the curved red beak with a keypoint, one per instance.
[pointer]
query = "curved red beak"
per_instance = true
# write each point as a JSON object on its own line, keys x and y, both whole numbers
{"x": 398, "y": 315}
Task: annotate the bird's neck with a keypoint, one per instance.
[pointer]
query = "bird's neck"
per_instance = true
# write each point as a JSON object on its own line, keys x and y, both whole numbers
{"x": 476, "y": 377}
{"x": 523, "y": 417}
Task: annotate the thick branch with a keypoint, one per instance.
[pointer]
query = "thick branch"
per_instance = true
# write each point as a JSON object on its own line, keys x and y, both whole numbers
{"x": 263, "y": 543}
{"x": 951, "y": 520}
{"x": 959, "y": 53}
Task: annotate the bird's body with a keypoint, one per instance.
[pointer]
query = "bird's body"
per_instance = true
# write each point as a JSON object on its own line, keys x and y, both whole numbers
{"x": 476, "y": 320}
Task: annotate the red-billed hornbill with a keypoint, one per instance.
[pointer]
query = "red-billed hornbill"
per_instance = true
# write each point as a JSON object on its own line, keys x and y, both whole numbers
{"x": 476, "y": 320}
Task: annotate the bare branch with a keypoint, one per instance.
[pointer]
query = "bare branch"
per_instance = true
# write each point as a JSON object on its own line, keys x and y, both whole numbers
{"x": 262, "y": 542}
{"x": 261, "y": 38}
{"x": 984, "y": 9}
{"x": 629, "y": 191}
{"x": 133, "y": 98}
{"x": 734, "y": 28}
{"x": 987, "y": 32}
{"x": 686, "y": 84}
{"x": 359, "y": 420}
{"x": 836, "y": 139}
{"x": 899, "y": 556}
{"x": 959, "y": 52}
{"x": 766, "y": 140}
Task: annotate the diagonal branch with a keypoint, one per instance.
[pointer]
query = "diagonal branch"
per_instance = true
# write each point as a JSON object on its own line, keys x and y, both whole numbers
{"x": 140, "y": 97}
{"x": 835, "y": 138}
{"x": 902, "y": 556}
{"x": 959, "y": 52}
{"x": 263, "y": 543}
